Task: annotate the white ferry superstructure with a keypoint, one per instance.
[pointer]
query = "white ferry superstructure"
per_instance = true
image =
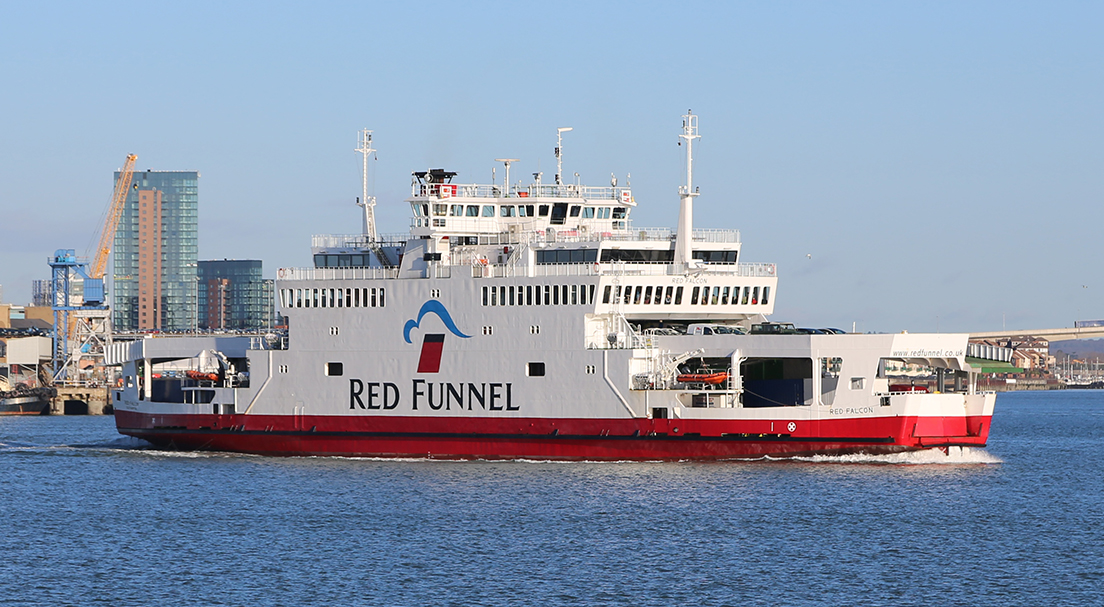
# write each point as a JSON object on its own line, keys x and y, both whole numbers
{"x": 534, "y": 321}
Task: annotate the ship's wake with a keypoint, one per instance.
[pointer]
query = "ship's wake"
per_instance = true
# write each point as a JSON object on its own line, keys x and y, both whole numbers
{"x": 952, "y": 456}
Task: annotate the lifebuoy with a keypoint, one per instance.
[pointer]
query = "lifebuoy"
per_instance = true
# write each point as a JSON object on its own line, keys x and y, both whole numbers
{"x": 282, "y": 273}
{"x": 597, "y": 267}
{"x": 770, "y": 270}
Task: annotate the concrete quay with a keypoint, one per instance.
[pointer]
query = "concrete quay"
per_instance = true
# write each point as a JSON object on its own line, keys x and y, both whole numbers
{"x": 81, "y": 400}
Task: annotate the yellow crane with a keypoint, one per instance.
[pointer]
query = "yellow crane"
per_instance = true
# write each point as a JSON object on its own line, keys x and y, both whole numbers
{"x": 118, "y": 201}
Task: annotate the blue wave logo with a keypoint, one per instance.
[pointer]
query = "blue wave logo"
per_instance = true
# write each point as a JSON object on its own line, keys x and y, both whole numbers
{"x": 432, "y": 307}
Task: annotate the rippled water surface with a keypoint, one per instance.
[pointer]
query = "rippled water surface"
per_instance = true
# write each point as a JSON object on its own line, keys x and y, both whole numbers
{"x": 93, "y": 518}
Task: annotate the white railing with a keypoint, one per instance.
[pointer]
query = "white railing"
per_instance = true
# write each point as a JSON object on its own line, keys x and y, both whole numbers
{"x": 355, "y": 241}
{"x": 336, "y": 273}
{"x": 754, "y": 270}
{"x": 445, "y": 191}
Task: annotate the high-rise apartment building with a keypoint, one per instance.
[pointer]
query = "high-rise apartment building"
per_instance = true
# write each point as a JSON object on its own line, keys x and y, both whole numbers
{"x": 234, "y": 295}
{"x": 156, "y": 251}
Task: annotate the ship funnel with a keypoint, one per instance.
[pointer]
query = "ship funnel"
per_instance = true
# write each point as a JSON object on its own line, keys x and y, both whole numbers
{"x": 684, "y": 236}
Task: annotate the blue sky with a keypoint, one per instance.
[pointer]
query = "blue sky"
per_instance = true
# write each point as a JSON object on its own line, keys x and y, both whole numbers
{"x": 941, "y": 162}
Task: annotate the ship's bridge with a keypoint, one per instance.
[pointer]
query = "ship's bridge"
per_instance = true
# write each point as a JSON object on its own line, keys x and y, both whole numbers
{"x": 466, "y": 211}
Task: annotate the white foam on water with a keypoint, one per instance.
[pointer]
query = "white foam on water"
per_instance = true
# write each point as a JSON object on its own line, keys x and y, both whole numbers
{"x": 953, "y": 456}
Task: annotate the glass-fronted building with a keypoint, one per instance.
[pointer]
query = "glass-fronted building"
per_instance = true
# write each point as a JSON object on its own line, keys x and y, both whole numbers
{"x": 155, "y": 253}
{"x": 233, "y": 295}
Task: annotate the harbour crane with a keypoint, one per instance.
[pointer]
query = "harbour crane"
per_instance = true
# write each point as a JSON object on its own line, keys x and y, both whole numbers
{"x": 85, "y": 328}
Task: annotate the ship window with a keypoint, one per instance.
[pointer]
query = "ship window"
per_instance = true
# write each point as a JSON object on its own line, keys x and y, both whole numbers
{"x": 636, "y": 295}
{"x": 535, "y": 370}
{"x": 547, "y": 295}
{"x": 439, "y": 210}
{"x": 511, "y": 296}
{"x": 472, "y": 210}
{"x": 507, "y": 210}
{"x": 334, "y": 369}
{"x": 619, "y": 212}
{"x": 735, "y": 295}
{"x": 488, "y": 210}
{"x": 667, "y": 296}
{"x": 717, "y": 295}
{"x": 588, "y": 212}
{"x": 555, "y": 295}
{"x": 356, "y": 298}
{"x": 582, "y": 295}
{"x": 755, "y": 296}
{"x": 628, "y": 294}
{"x": 857, "y": 383}
{"x": 766, "y": 295}
{"x": 381, "y": 297}
{"x": 543, "y": 210}
{"x": 374, "y": 298}
{"x": 724, "y": 296}
{"x": 319, "y": 261}
{"x": 364, "y": 297}
{"x": 348, "y": 298}
{"x": 648, "y": 295}
{"x": 456, "y": 210}
{"x": 331, "y": 261}
{"x": 694, "y": 296}
{"x": 747, "y": 293}
{"x": 574, "y": 294}
{"x": 314, "y": 298}
{"x": 486, "y": 296}
{"x": 494, "y": 296}
{"x": 340, "y": 299}
{"x": 616, "y": 295}
{"x": 563, "y": 296}
{"x": 590, "y": 292}
{"x": 502, "y": 296}
{"x": 678, "y": 296}
{"x": 521, "y": 210}
{"x": 575, "y": 210}
{"x": 529, "y": 295}
{"x": 298, "y": 298}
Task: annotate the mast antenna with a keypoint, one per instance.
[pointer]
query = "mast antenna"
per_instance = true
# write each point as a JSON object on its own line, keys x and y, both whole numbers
{"x": 684, "y": 235}
{"x": 506, "y": 183}
{"x": 559, "y": 153}
{"x": 366, "y": 202}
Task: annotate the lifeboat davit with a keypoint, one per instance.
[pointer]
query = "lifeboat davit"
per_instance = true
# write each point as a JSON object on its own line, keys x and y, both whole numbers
{"x": 703, "y": 378}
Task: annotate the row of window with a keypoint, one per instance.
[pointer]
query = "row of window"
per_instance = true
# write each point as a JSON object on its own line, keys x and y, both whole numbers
{"x": 332, "y": 298}
{"x": 629, "y": 256}
{"x": 521, "y": 210}
{"x": 720, "y": 296}
{"x": 538, "y": 295}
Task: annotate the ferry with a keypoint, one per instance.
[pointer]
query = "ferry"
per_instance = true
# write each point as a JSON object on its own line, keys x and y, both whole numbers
{"x": 535, "y": 321}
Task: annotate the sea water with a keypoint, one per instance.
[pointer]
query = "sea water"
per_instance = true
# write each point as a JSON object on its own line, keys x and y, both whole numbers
{"x": 92, "y": 518}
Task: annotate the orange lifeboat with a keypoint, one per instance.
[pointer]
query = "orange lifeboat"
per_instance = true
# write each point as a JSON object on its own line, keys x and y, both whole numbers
{"x": 198, "y": 375}
{"x": 703, "y": 378}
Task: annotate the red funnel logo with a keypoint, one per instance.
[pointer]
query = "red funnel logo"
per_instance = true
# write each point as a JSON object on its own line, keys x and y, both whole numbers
{"x": 430, "y": 361}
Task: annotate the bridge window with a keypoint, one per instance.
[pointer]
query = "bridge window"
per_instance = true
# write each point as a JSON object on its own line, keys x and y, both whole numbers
{"x": 694, "y": 296}
{"x": 588, "y": 212}
{"x": 619, "y": 212}
{"x": 471, "y": 210}
{"x": 747, "y": 294}
{"x": 440, "y": 210}
{"x": 488, "y": 210}
{"x": 648, "y": 295}
{"x": 755, "y": 296}
{"x": 456, "y": 210}
{"x": 507, "y": 210}
{"x": 575, "y": 210}
{"x": 543, "y": 210}
{"x": 766, "y": 295}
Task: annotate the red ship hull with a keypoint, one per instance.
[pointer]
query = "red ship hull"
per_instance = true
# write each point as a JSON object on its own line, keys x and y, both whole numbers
{"x": 550, "y": 439}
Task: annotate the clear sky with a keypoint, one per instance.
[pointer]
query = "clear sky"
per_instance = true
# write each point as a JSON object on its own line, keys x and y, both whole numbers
{"x": 911, "y": 166}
